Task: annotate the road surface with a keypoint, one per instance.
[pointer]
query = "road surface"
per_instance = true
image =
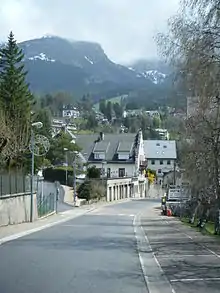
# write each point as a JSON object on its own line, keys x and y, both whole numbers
{"x": 109, "y": 250}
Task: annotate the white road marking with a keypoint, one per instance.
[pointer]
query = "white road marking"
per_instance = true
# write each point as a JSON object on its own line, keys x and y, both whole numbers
{"x": 156, "y": 260}
{"x": 194, "y": 280}
{"x": 190, "y": 237}
{"x": 139, "y": 255}
{"x": 215, "y": 254}
{"x": 182, "y": 255}
{"x": 143, "y": 244}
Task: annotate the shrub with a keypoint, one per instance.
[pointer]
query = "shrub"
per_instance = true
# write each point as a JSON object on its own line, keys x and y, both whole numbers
{"x": 93, "y": 172}
{"x": 59, "y": 174}
{"x": 91, "y": 190}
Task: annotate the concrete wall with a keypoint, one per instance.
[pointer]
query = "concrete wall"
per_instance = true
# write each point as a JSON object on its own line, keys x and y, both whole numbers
{"x": 15, "y": 209}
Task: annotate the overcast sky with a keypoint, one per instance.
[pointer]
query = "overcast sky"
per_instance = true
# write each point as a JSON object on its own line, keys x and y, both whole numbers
{"x": 124, "y": 28}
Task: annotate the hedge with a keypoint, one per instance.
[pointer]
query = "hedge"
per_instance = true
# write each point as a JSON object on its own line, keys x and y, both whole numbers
{"x": 59, "y": 174}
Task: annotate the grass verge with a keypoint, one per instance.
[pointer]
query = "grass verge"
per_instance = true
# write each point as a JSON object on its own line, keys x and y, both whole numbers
{"x": 208, "y": 229}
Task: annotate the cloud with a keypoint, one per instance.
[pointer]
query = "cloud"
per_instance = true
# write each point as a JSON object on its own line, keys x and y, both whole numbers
{"x": 125, "y": 28}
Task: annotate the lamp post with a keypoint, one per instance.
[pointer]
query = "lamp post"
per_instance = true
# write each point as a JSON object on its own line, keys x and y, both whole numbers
{"x": 66, "y": 151}
{"x": 74, "y": 176}
{"x": 103, "y": 170}
{"x": 33, "y": 125}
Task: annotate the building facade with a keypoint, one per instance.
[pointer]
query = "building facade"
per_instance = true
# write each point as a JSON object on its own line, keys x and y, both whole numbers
{"x": 161, "y": 157}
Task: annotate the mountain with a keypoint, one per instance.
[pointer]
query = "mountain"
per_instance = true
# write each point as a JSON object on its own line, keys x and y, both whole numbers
{"x": 154, "y": 70}
{"x": 55, "y": 64}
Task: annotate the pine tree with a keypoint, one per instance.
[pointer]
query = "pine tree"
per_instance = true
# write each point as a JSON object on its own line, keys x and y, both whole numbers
{"x": 16, "y": 99}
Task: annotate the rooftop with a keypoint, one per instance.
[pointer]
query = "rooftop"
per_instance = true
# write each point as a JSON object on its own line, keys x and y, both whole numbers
{"x": 160, "y": 149}
{"x": 110, "y": 144}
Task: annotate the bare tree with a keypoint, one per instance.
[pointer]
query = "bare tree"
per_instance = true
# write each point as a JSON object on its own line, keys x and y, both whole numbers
{"x": 192, "y": 46}
{"x": 14, "y": 137}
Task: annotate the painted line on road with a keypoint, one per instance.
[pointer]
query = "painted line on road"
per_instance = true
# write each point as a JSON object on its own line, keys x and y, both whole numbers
{"x": 34, "y": 230}
{"x": 154, "y": 256}
{"x": 182, "y": 255}
{"x": 161, "y": 282}
{"x": 193, "y": 239}
{"x": 194, "y": 280}
{"x": 215, "y": 254}
{"x": 139, "y": 254}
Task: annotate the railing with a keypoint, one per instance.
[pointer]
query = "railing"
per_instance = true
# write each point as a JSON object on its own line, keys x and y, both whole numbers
{"x": 46, "y": 205}
{"x": 47, "y": 195}
{"x": 15, "y": 183}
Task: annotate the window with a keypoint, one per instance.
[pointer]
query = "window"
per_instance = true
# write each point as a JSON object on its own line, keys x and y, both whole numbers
{"x": 152, "y": 162}
{"x": 121, "y": 172}
{"x": 168, "y": 162}
{"x": 96, "y": 156}
{"x": 157, "y": 144}
{"x": 159, "y": 171}
{"x": 108, "y": 172}
{"x": 161, "y": 162}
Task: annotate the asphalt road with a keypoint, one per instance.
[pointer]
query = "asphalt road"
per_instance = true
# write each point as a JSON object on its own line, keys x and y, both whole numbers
{"x": 114, "y": 250}
{"x": 93, "y": 253}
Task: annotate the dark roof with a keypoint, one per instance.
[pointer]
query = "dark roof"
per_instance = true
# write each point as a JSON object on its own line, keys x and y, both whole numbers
{"x": 124, "y": 146}
{"x": 101, "y": 146}
{"x": 110, "y": 145}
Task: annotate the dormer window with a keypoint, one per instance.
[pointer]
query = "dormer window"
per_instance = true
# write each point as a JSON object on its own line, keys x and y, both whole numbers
{"x": 123, "y": 156}
{"x": 97, "y": 156}
{"x": 100, "y": 150}
{"x": 124, "y": 150}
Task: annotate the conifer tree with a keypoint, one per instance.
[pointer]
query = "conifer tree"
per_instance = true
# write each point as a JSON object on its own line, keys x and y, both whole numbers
{"x": 16, "y": 100}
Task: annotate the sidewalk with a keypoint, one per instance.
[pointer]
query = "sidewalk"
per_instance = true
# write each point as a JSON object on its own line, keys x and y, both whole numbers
{"x": 210, "y": 242}
{"x": 188, "y": 260}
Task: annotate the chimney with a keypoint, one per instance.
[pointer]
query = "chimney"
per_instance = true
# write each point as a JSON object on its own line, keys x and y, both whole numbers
{"x": 101, "y": 136}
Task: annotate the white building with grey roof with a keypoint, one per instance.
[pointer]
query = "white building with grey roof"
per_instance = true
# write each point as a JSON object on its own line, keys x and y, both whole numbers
{"x": 120, "y": 155}
{"x": 161, "y": 156}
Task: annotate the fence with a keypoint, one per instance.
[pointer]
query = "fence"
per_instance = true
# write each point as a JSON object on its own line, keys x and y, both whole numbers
{"x": 46, "y": 197}
{"x": 15, "y": 183}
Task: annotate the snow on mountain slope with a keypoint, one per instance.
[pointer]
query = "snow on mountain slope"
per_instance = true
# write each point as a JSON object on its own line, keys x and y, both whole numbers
{"x": 153, "y": 75}
{"x": 41, "y": 56}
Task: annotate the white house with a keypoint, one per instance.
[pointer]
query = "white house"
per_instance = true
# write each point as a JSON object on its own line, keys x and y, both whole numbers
{"x": 163, "y": 133}
{"x": 60, "y": 125}
{"x": 70, "y": 111}
{"x": 153, "y": 114}
{"x": 161, "y": 156}
{"x": 116, "y": 155}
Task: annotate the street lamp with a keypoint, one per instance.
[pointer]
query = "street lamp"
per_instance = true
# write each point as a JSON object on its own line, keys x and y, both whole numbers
{"x": 66, "y": 150}
{"x": 37, "y": 125}
{"x": 103, "y": 170}
{"x": 74, "y": 176}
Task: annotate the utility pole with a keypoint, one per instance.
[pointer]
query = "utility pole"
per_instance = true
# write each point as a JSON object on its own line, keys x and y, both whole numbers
{"x": 32, "y": 149}
{"x": 74, "y": 177}
{"x": 174, "y": 177}
{"x": 32, "y": 175}
{"x": 66, "y": 150}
